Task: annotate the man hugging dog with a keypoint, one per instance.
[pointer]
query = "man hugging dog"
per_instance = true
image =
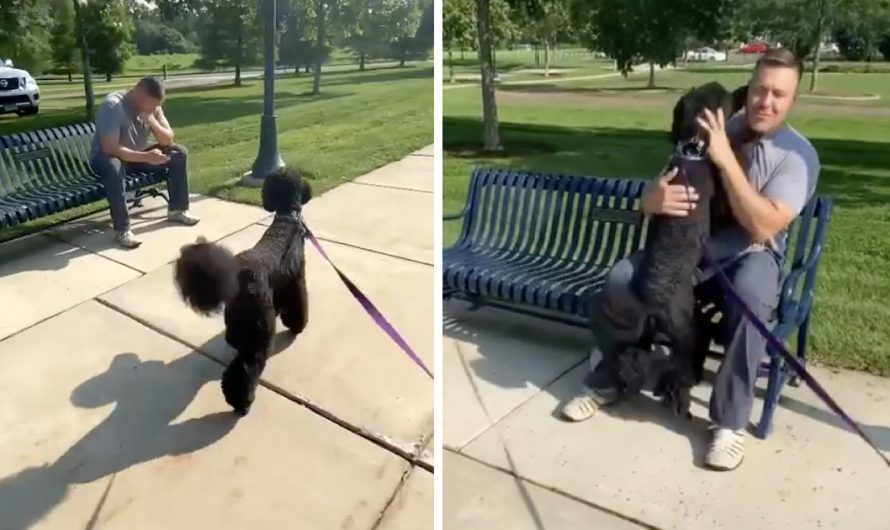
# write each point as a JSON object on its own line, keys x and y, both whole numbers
{"x": 768, "y": 171}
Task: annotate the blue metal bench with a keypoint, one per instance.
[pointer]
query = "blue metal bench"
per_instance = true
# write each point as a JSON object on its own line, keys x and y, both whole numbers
{"x": 541, "y": 244}
{"x": 46, "y": 172}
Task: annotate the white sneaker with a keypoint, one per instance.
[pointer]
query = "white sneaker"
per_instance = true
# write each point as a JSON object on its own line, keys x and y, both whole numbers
{"x": 127, "y": 239}
{"x": 727, "y": 449}
{"x": 585, "y": 405}
{"x": 182, "y": 217}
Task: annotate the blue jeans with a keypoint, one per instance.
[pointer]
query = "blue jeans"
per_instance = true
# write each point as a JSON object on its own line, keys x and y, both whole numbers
{"x": 617, "y": 317}
{"x": 112, "y": 171}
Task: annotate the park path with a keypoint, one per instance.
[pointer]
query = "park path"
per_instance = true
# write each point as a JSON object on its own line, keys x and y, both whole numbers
{"x": 634, "y": 466}
{"x": 112, "y": 414}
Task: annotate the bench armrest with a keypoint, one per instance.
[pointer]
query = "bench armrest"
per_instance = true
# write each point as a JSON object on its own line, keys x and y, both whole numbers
{"x": 788, "y": 308}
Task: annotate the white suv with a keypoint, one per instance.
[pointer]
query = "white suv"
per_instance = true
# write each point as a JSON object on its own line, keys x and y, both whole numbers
{"x": 18, "y": 90}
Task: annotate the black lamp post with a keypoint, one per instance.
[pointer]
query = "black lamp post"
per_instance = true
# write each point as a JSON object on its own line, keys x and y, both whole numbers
{"x": 85, "y": 59}
{"x": 268, "y": 159}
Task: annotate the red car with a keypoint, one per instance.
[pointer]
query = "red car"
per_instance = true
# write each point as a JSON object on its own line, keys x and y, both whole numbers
{"x": 754, "y": 47}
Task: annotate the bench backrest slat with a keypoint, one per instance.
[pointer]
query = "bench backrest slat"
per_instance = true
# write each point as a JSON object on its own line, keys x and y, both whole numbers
{"x": 585, "y": 219}
{"x": 552, "y": 216}
{"x": 33, "y": 161}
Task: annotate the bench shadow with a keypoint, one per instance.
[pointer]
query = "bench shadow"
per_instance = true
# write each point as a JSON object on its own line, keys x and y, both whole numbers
{"x": 148, "y": 397}
{"x": 496, "y": 356}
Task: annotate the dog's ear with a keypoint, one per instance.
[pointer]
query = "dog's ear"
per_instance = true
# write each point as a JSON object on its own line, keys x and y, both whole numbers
{"x": 677, "y": 124}
{"x": 739, "y": 98}
{"x": 307, "y": 191}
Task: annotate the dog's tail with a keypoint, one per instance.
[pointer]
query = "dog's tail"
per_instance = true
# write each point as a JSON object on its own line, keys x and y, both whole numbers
{"x": 206, "y": 276}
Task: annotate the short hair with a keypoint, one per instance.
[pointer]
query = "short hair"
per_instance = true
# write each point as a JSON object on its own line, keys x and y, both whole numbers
{"x": 781, "y": 57}
{"x": 152, "y": 86}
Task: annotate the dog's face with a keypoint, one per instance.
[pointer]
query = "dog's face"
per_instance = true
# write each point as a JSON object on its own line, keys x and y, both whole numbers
{"x": 686, "y": 133}
{"x": 285, "y": 191}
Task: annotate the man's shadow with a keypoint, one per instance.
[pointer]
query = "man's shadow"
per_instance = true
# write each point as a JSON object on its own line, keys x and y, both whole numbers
{"x": 148, "y": 397}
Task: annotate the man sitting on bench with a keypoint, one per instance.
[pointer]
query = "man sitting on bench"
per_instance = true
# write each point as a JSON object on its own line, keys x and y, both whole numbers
{"x": 769, "y": 172}
{"x": 120, "y": 146}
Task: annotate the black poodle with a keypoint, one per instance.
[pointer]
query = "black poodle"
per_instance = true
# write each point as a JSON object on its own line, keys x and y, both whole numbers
{"x": 664, "y": 280}
{"x": 254, "y": 286}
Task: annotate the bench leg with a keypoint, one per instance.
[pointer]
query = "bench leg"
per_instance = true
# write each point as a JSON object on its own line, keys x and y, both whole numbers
{"x": 151, "y": 192}
{"x": 801, "y": 349}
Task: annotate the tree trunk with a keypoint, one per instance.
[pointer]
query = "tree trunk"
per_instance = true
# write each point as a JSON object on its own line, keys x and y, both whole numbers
{"x": 461, "y": 53}
{"x": 361, "y": 64}
{"x": 450, "y": 65}
{"x": 107, "y": 77}
{"x": 819, "y": 25}
{"x": 70, "y": 80}
{"x": 297, "y": 70}
{"x": 238, "y": 60}
{"x": 320, "y": 19}
{"x": 546, "y": 59}
{"x": 491, "y": 136}
{"x": 537, "y": 56}
{"x": 651, "y": 75}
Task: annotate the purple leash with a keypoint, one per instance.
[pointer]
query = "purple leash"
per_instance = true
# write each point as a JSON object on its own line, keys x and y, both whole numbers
{"x": 378, "y": 318}
{"x": 777, "y": 345}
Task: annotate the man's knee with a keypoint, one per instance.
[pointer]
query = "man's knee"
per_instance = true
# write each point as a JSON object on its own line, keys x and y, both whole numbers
{"x": 106, "y": 166}
{"x": 177, "y": 151}
{"x": 618, "y": 279}
{"x": 756, "y": 281}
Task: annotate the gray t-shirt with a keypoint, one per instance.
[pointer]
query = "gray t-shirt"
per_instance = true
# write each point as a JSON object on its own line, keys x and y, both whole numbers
{"x": 116, "y": 116}
{"x": 783, "y": 166}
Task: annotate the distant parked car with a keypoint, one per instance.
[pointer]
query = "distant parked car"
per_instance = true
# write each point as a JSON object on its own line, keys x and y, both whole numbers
{"x": 19, "y": 92}
{"x": 754, "y": 47}
{"x": 705, "y": 54}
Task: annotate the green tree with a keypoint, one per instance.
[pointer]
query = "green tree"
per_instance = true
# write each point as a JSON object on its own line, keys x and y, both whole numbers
{"x": 109, "y": 31}
{"x": 230, "y": 36}
{"x": 63, "y": 40}
{"x": 297, "y": 43}
{"x": 25, "y": 27}
{"x": 457, "y": 28}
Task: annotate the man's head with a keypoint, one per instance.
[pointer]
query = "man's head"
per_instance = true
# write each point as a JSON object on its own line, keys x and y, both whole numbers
{"x": 147, "y": 95}
{"x": 772, "y": 89}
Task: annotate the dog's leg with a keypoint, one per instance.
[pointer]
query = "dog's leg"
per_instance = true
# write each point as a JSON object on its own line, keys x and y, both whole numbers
{"x": 250, "y": 332}
{"x": 292, "y": 300}
{"x": 675, "y": 385}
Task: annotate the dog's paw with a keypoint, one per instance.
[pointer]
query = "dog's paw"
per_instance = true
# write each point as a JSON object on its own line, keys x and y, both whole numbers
{"x": 675, "y": 393}
{"x": 239, "y": 387}
{"x": 632, "y": 367}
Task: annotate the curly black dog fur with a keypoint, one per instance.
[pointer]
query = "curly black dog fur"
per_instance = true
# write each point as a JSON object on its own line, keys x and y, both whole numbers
{"x": 664, "y": 281}
{"x": 254, "y": 287}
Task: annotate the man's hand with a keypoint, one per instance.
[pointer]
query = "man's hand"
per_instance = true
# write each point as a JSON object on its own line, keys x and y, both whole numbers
{"x": 719, "y": 149}
{"x": 662, "y": 198}
{"x": 156, "y": 157}
{"x": 158, "y": 124}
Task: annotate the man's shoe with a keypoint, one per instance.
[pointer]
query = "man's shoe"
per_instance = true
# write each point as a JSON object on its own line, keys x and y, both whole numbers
{"x": 585, "y": 405}
{"x": 727, "y": 449}
{"x": 127, "y": 239}
{"x": 182, "y": 217}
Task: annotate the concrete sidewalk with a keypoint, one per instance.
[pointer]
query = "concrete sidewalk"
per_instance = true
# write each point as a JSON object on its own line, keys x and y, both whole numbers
{"x": 511, "y": 461}
{"x": 113, "y": 416}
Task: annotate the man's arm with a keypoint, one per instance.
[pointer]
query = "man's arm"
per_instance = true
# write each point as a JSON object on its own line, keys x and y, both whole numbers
{"x": 109, "y": 128}
{"x": 764, "y": 214}
{"x": 161, "y": 127}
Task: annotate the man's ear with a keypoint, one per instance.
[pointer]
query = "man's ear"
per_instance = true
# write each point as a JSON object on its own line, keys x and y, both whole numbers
{"x": 307, "y": 191}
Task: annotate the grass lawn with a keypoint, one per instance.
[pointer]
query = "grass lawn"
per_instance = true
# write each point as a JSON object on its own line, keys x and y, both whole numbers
{"x": 360, "y": 121}
{"x": 622, "y": 133}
